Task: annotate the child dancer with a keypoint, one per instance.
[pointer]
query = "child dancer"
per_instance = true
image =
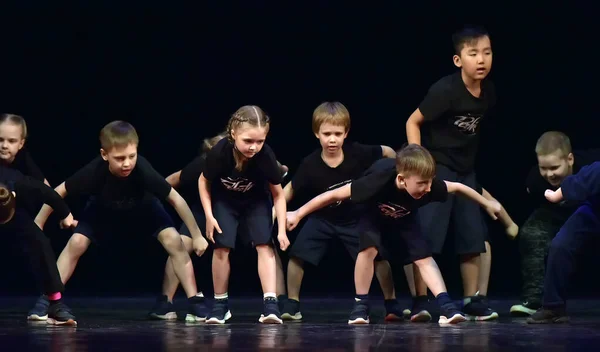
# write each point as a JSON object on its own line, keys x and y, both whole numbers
{"x": 125, "y": 190}
{"x": 394, "y": 190}
{"x": 15, "y": 190}
{"x": 233, "y": 192}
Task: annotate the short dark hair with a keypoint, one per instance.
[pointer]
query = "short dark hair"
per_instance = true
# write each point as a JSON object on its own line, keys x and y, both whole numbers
{"x": 467, "y": 35}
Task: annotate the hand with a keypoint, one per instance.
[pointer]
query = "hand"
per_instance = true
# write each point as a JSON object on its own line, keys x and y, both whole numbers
{"x": 211, "y": 226}
{"x": 199, "y": 244}
{"x": 284, "y": 242}
{"x": 66, "y": 223}
{"x": 292, "y": 220}
{"x": 512, "y": 231}
{"x": 553, "y": 196}
{"x": 493, "y": 209}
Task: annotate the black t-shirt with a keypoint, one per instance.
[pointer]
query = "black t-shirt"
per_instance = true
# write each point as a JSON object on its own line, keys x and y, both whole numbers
{"x": 29, "y": 190}
{"x": 24, "y": 163}
{"x": 118, "y": 193}
{"x": 377, "y": 187}
{"x": 188, "y": 179}
{"x": 314, "y": 177}
{"x": 452, "y": 121}
{"x": 250, "y": 181}
{"x": 537, "y": 185}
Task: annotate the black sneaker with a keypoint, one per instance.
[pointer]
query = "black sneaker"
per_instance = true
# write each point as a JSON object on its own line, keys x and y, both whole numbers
{"x": 40, "y": 311}
{"x": 393, "y": 311}
{"x": 220, "y": 312}
{"x": 271, "y": 312}
{"x": 197, "y": 310}
{"x": 419, "y": 311}
{"x": 163, "y": 309}
{"x": 291, "y": 310}
{"x": 360, "y": 313}
{"x": 60, "y": 314}
{"x": 478, "y": 310}
{"x": 450, "y": 314}
{"x": 549, "y": 316}
{"x": 527, "y": 308}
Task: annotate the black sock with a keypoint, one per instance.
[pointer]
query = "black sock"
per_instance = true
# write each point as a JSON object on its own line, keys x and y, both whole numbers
{"x": 443, "y": 298}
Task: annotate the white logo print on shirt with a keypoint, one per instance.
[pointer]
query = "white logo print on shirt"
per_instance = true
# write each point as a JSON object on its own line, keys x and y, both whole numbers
{"x": 237, "y": 184}
{"x": 393, "y": 210}
{"x": 467, "y": 124}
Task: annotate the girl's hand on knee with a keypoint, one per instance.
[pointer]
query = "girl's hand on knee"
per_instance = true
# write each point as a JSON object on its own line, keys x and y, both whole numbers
{"x": 284, "y": 242}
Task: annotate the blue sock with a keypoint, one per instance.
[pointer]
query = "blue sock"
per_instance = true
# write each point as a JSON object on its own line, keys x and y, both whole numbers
{"x": 443, "y": 298}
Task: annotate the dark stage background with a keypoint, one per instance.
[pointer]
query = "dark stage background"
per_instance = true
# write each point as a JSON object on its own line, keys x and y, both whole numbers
{"x": 177, "y": 73}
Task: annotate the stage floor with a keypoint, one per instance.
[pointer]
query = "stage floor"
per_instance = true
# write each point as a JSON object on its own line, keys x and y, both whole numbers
{"x": 120, "y": 324}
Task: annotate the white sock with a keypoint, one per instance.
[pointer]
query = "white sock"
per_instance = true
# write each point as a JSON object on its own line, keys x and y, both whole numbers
{"x": 270, "y": 294}
{"x": 222, "y": 296}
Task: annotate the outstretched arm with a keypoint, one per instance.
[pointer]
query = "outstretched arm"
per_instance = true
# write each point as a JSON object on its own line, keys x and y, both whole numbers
{"x": 413, "y": 127}
{"x": 317, "y": 203}
{"x": 578, "y": 187}
{"x": 492, "y": 207}
{"x": 46, "y": 210}
{"x": 512, "y": 229}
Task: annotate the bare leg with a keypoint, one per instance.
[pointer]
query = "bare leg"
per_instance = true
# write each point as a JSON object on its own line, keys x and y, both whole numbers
{"x": 267, "y": 268}
{"x": 67, "y": 261}
{"x": 182, "y": 263}
{"x": 170, "y": 281}
{"x": 279, "y": 274}
{"x": 410, "y": 279}
{"x": 484, "y": 272}
{"x": 383, "y": 271}
{"x": 295, "y": 273}
{"x": 221, "y": 270}
{"x": 469, "y": 269}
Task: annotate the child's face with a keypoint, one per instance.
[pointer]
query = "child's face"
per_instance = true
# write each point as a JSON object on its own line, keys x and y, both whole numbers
{"x": 415, "y": 185}
{"x": 249, "y": 140}
{"x": 475, "y": 59}
{"x": 554, "y": 167}
{"x": 11, "y": 141}
{"x": 121, "y": 159}
{"x": 331, "y": 137}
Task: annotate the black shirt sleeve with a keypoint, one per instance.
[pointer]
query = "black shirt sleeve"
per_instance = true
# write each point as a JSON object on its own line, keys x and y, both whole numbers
{"x": 191, "y": 173}
{"x": 376, "y": 178}
{"x": 301, "y": 181}
{"x": 267, "y": 163}
{"x": 439, "y": 191}
{"x": 85, "y": 180}
{"x": 216, "y": 158}
{"x": 437, "y": 101}
{"x": 154, "y": 182}
{"x": 368, "y": 154}
{"x": 31, "y": 189}
{"x": 31, "y": 168}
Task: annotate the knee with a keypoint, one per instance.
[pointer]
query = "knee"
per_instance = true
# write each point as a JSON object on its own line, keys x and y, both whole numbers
{"x": 265, "y": 250}
{"x": 78, "y": 244}
{"x": 171, "y": 240}
{"x": 187, "y": 243}
{"x": 369, "y": 253}
{"x": 423, "y": 262}
{"x": 221, "y": 253}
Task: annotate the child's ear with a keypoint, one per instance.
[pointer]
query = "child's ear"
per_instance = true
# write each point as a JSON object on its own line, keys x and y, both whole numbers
{"x": 457, "y": 61}
{"x": 104, "y": 154}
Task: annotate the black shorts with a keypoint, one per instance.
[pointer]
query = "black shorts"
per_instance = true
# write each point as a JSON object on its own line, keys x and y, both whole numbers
{"x": 314, "y": 237}
{"x": 468, "y": 224}
{"x": 99, "y": 223}
{"x": 399, "y": 239}
{"x": 200, "y": 220}
{"x": 252, "y": 217}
